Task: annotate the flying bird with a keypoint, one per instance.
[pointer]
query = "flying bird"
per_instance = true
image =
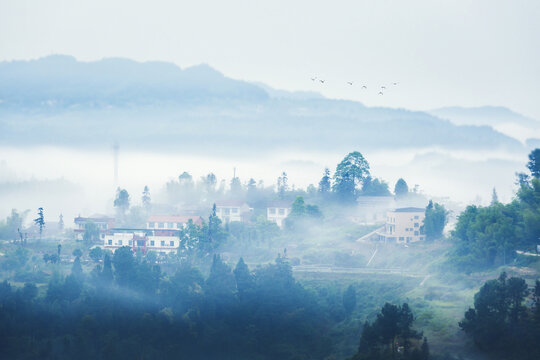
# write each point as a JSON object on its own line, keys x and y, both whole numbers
{"x": 349, "y": 82}
{"x": 364, "y": 87}
{"x": 395, "y": 83}
{"x": 313, "y": 78}
{"x": 383, "y": 87}
{"x": 381, "y": 93}
{"x": 322, "y": 81}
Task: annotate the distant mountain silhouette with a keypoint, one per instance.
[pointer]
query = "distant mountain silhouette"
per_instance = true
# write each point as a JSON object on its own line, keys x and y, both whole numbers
{"x": 59, "y": 100}
{"x": 484, "y": 115}
{"x": 62, "y": 81}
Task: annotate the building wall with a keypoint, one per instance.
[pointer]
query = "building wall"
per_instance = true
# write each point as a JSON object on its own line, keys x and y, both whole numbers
{"x": 228, "y": 213}
{"x": 155, "y": 243}
{"x": 404, "y": 227}
{"x": 277, "y": 214}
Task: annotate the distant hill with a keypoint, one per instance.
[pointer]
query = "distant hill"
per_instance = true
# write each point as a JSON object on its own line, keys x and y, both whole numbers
{"x": 485, "y": 115}
{"x": 59, "y": 100}
{"x": 62, "y": 81}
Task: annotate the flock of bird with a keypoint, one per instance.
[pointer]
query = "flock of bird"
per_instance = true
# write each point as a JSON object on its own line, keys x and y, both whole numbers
{"x": 351, "y": 83}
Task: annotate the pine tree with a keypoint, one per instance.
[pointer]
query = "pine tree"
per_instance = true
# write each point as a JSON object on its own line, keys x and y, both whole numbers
{"x": 40, "y": 221}
{"x": 76, "y": 269}
{"x": 324, "y": 184}
{"x": 494, "y": 197}
{"x": 243, "y": 277}
{"x": 283, "y": 185}
{"x": 401, "y": 189}
{"x": 146, "y": 200}
{"x": 107, "y": 273}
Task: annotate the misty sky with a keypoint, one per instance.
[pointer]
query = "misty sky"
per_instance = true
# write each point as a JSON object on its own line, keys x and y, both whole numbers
{"x": 443, "y": 53}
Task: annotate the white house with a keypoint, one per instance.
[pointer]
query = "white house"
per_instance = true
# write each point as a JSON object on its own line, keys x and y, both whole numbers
{"x": 277, "y": 211}
{"x": 103, "y": 223}
{"x": 140, "y": 240}
{"x": 170, "y": 223}
{"x": 232, "y": 210}
{"x": 160, "y": 235}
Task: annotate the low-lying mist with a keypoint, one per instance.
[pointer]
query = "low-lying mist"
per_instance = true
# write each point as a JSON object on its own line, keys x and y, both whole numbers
{"x": 54, "y": 177}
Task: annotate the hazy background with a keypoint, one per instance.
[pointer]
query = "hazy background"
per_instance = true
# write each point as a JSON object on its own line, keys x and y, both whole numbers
{"x": 444, "y": 53}
{"x": 445, "y": 56}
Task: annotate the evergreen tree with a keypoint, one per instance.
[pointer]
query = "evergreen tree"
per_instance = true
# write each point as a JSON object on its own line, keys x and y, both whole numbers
{"x": 146, "y": 200}
{"x": 236, "y": 187}
{"x": 107, "y": 272}
{"x": 282, "y": 185}
{"x": 324, "y": 184}
{"x": 124, "y": 266}
{"x": 494, "y": 197}
{"x": 350, "y": 173}
{"x": 243, "y": 277}
{"x": 76, "y": 269}
{"x": 40, "y": 221}
{"x": 401, "y": 189}
{"x": 434, "y": 221}
{"x": 210, "y": 182}
{"x": 534, "y": 163}
{"x": 121, "y": 202}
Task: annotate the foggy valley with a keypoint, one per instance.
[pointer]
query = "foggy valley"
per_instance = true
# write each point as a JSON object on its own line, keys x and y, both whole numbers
{"x": 236, "y": 181}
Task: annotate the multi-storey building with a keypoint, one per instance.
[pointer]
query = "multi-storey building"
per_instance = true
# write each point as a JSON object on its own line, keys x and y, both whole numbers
{"x": 104, "y": 224}
{"x": 403, "y": 225}
{"x": 278, "y": 211}
{"x": 160, "y": 235}
{"x": 232, "y": 210}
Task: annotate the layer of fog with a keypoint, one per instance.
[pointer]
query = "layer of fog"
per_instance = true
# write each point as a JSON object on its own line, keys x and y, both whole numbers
{"x": 73, "y": 182}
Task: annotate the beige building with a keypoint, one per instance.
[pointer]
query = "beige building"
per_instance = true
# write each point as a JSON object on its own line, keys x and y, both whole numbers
{"x": 278, "y": 211}
{"x": 403, "y": 225}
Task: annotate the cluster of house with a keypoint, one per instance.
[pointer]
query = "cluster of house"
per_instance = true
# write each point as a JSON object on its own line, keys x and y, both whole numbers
{"x": 161, "y": 231}
{"x": 402, "y": 225}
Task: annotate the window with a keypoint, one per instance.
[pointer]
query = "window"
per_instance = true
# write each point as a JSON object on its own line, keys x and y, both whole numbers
{"x": 162, "y": 243}
{"x": 409, "y": 238}
{"x": 103, "y": 236}
{"x": 235, "y": 210}
{"x": 415, "y": 224}
{"x": 120, "y": 242}
{"x": 179, "y": 225}
{"x": 161, "y": 225}
{"x": 130, "y": 242}
{"x": 416, "y": 217}
{"x": 151, "y": 224}
{"x": 401, "y": 238}
{"x": 152, "y": 242}
{"x": 272, "y": 211}
{"x": 171, "y": 225}
{"x": 416, "y": 233}
{"x": 109, "y": 242}
{"x": 281, "y": 211}
{"x": 421, "y": 238}
{"x": 140, "y": 242}
{"x": 227, "y": 211}
{"x": 172, "y": 243}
